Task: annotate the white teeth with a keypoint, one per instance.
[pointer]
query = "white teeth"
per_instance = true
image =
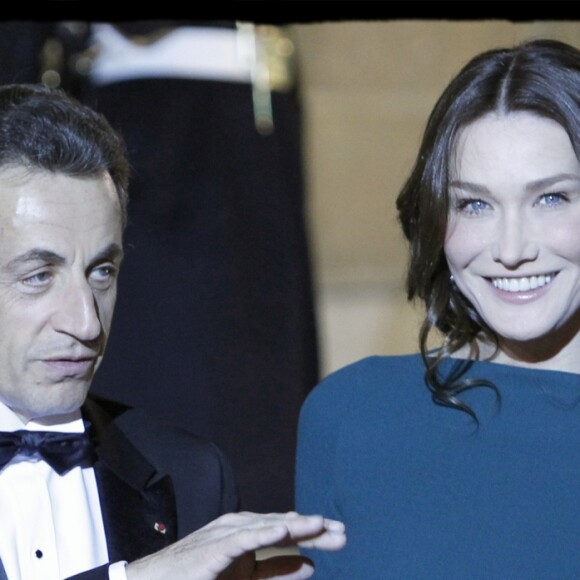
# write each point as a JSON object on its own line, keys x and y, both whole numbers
{"x": 522, "y": 284}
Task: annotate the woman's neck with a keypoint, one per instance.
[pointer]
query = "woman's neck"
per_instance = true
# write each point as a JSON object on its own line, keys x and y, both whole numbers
{"x": 547, "y": 353}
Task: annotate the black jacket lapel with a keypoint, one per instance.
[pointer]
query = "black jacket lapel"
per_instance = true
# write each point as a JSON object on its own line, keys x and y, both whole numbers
{"x": 138, "y": 503}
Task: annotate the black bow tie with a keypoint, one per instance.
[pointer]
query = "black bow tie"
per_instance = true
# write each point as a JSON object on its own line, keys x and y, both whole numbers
{"x": 62, "y": 451}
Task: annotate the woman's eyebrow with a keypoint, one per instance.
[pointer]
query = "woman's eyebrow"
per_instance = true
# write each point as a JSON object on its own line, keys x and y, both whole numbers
{"x": 469, "y": 186}
{"x": 551, "y": 180}
{"x": 535, "y": 185}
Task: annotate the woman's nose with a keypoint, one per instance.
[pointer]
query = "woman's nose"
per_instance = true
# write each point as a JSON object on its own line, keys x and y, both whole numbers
{"x": 514, "y": 242}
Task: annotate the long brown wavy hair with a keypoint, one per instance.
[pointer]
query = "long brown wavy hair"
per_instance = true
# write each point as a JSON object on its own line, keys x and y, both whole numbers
{"x": 541, "y": 77}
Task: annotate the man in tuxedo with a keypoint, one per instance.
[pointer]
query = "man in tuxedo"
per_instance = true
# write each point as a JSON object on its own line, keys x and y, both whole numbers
{"x": 89, "y": 488}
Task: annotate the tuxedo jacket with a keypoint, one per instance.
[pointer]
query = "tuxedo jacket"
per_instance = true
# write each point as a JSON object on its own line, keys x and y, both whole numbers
{"x": 156, "y": 483}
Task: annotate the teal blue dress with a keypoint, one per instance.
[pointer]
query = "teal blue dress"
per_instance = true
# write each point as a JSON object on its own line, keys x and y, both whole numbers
{"x": 425, "y": 493}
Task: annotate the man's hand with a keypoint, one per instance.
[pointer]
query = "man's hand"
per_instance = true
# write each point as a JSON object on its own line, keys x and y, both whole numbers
{"x": 225, "y": 549}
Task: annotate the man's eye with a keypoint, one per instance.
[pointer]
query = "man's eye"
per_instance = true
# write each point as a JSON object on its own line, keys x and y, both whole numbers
{"x": 38, "y": 279}
{"x": 103, "y": 275}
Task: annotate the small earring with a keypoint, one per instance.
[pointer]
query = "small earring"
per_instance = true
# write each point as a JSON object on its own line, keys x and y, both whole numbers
{"x": 451, "y": 278}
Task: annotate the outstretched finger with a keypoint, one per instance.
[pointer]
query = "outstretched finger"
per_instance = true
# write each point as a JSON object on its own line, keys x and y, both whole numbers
{"x": 283, "y": 568}
{"x": 315, "y": 532}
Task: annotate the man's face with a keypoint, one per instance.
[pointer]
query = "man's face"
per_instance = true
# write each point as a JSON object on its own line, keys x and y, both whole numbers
{"x": 60, "y": 251}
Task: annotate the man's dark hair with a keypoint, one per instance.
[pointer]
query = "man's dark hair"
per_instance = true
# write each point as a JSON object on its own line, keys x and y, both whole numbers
{"x": 46, "y": 129}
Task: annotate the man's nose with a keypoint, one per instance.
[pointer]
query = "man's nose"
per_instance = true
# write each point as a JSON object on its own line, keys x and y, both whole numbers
{"x": 514, "y": 242}
{"x": 77, "y": 312}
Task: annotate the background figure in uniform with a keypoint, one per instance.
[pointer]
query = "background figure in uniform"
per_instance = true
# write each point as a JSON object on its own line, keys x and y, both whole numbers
{"x": 216, "y": 253}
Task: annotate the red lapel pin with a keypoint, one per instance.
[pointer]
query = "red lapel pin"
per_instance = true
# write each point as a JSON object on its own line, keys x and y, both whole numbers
{"x": 160, "y": 527}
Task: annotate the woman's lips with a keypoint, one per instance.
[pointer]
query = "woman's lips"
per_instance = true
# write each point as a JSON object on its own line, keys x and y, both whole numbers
{"x": 522, "y": 289}
{"x": 522, "y": 283}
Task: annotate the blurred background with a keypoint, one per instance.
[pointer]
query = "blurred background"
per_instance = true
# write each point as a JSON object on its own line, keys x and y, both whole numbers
{"x": 263, "y": 250}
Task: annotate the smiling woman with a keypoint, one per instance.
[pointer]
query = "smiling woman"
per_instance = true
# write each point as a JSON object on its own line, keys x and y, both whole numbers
{"x": 513, "y": 238}
{"x": 491, "y": 210}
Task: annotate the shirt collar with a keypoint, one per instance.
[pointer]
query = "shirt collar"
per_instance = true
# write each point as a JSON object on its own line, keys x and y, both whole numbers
{"x": 65, "y": 422}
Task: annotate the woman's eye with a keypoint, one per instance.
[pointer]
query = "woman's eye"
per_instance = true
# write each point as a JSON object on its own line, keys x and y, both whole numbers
{"x": 552, "y": 199}
{"x": 472, "y": 206}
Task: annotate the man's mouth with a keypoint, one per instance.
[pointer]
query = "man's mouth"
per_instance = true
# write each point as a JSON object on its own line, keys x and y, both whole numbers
{"x": 70, "y": 366}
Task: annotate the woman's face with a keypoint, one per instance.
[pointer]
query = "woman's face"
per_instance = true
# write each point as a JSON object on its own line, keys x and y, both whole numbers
{"x": 513, "y": 236}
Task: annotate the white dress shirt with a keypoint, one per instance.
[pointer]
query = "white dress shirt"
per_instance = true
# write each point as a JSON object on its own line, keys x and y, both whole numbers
{"x": 51, "y": 525}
